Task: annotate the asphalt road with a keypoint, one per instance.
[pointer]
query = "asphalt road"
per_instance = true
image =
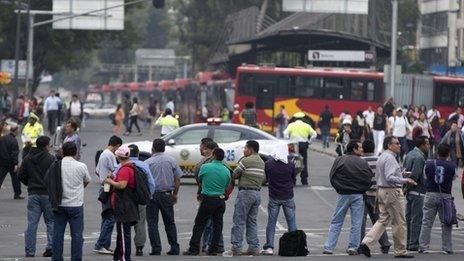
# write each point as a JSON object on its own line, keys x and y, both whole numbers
{"x": 314, "y": 209}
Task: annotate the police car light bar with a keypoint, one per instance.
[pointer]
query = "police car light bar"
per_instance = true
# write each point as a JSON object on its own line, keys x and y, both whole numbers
{"x": 214, "y": 121}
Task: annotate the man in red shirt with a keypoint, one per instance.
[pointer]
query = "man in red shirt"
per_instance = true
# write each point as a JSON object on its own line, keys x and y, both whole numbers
{"x": 125, "y": 208}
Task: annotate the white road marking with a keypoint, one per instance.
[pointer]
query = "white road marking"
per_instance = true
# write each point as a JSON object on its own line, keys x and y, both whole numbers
{"x": 278, "y": 224}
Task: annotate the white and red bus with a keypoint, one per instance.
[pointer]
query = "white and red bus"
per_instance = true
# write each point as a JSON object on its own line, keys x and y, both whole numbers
{"x": 309, "y": 90}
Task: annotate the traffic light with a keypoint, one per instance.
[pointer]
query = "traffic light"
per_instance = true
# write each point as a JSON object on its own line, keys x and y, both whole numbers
{"x": 5, "y": 78}
{"x": 158, "y": 3}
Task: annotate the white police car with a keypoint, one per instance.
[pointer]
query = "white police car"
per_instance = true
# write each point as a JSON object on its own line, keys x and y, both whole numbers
{"x": 183, "y": 144}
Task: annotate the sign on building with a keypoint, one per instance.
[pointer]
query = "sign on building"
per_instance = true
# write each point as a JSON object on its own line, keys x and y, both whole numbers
{"x": 111, "y": 19}
{"x": 9, "y": 67}
{"x": 155, "y": 57}
{"x": 327, "y": 6}
{"x": 340, "y": 56}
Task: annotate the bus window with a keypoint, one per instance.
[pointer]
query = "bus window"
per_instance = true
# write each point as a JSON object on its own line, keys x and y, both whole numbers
{"x": 247, "y": 85}
{"x": 307, "y": 86}
{"x": 284, "y": 88}
{"x": 371, "y": 91}
{"x": 357, "y": 90}
{"x": 334, "y": 89}
{"x": 445, "y": 95}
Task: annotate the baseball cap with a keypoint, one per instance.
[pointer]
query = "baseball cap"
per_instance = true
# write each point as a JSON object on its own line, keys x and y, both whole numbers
{"x": 347, "y": 121}
{"x": 299, "y": 115}
{"x": 123, "y": 152}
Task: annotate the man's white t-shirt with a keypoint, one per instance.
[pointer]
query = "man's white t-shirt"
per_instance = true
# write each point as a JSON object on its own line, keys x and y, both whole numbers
{"x": 75, "y": 108}
{"x": 399, "y": 126}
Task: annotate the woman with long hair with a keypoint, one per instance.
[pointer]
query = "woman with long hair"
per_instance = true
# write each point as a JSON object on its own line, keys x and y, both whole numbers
{"x": 118, "y": 119}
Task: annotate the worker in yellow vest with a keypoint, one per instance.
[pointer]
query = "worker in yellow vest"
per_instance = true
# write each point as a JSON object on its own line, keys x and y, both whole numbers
{"x": 31, "y": 131}
{"x": 304, "y": 134}
{"x": 167, "y": 122}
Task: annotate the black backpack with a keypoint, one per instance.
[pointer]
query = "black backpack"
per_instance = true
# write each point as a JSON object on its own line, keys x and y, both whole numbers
{"x": 293, "y": 244}
{"x": 142, "y": 192}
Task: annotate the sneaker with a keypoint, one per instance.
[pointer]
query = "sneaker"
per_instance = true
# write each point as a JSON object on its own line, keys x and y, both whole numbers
{"x": 18, "y": 197}
{"x": 155, "y": 253}
{"x": 352, "y": 252}
{"x": 423, "y": 251}
{"x": 267, "y": 252}
{"x": 444, "y": 252}
{"x": 327, "y": 252}
{"x": 251, "y": 253}
{"x": 104, "y": 251}
{"x": 231, "y": 253}
{"x": 47, "y": 253}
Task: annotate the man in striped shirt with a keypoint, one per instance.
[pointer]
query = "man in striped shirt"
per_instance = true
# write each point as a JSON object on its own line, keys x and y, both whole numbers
{"x": 250, "y": 175}
{"x": 369, "y": 197}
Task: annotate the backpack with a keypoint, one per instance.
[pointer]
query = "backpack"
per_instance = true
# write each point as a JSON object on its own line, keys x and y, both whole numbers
{"x": 293, "y": 244}
{"x": 142, "y": 192}
{"x": 97, "y": 157}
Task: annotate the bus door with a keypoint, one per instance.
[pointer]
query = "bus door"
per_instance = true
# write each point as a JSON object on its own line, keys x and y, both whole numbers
{"x": 265, "y": 88}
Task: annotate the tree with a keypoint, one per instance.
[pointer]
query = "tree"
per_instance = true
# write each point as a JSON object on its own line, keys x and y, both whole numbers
{"x": 56, "y": 50}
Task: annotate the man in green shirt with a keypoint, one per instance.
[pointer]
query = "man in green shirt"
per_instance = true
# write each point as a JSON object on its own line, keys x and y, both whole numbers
{"x": 250, "y": 175}
{"x": 214, "y": 179}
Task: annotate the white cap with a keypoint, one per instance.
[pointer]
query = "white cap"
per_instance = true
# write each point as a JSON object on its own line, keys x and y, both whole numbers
{"x": 347, "y": 121}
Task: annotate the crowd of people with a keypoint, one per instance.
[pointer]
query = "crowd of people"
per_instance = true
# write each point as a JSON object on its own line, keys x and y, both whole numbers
{"x": 374, "y": 175}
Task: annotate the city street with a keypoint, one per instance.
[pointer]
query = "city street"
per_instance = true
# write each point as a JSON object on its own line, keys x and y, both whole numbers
{"x": 314, "y": 208}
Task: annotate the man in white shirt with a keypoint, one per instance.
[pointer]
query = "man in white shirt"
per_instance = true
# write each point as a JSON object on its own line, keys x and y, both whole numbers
{"x": 75, "y": 177}
{"x": 106, "y": 165}
{"x": 457, "y": 117}
{"x": 51, "y": 108}
{"x": 76, "y": 111}
{"x": 369, "y": 115}
{"x": 170, "y": 105}
{"x": 399, "y": 127}
{"x": 432, "y": 113}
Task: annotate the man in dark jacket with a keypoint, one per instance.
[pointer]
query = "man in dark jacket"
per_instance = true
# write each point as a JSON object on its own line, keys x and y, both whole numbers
{"x": 9, "y": 151}
{"x": 32, "y": 174}
{"x": 415, "y": 162}
{"x": 351, "y": 177}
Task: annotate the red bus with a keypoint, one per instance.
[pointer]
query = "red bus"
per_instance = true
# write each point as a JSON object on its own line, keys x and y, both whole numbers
{"x": 307, "y": 90}
{"x": 448, "y": 94}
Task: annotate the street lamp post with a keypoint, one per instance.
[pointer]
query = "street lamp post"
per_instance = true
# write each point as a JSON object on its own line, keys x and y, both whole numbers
{"x": 394, "y": 39}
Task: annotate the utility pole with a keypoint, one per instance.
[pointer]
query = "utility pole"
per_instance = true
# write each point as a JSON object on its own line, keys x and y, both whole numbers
{"x": 17, "y": 51}
{"x": 394, "y": 38}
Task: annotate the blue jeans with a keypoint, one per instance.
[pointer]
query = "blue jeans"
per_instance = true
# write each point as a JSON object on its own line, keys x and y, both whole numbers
{"x": 245, "y": 215}
{"x": 208, "y": 235}
{"x": 162, "y": 202}
{"x": 414, "y": 206}
{"x": 106, "y": 229}
{"x": 404, "y": 146}
{"x": 432, "y": 206}
{"x": 273, "y": 208}
{"x": 325, "y": 133}
{"x": 36, "y": 206}
{"x": 355, "y": 204}
{"x": 75, "y": 217}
